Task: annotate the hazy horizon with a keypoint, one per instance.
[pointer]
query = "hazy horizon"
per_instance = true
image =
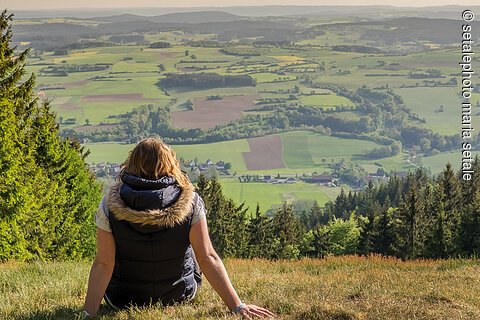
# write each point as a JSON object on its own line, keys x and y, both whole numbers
{"x": 108, "y": 4}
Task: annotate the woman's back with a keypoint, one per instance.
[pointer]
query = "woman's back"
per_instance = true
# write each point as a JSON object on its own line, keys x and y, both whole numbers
{"x": 150, "y": 225}
{"x": 150, "y": 221}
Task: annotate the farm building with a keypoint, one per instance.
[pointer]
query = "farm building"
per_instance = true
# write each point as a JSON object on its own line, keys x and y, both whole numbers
{"x": 283, "y": 180}
{"x": 321, "y": 179}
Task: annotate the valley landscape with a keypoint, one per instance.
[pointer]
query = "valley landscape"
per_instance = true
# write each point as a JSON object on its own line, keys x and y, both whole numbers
{"x": 325, "y": 141}
{"x": 370, "y": 95}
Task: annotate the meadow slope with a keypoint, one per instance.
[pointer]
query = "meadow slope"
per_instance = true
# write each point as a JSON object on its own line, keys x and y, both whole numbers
{"x": 340, "y": 288}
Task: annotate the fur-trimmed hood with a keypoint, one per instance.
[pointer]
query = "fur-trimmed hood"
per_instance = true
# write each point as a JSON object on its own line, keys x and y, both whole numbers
{"x": 160, "y": 216}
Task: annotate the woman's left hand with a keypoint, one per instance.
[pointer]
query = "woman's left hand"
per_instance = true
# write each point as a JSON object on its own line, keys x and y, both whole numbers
{"x": 252, "y": 311}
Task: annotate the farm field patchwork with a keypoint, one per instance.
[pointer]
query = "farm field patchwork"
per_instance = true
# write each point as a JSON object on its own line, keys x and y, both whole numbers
{"x": 301, "y": 150}
{"x": 303, "y": 153}
{"x": 290, "y": 75}
{"x": 228, "y": 151}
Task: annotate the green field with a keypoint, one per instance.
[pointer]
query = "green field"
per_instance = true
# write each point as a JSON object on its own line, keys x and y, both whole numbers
{"x": 307, "y": 149}
{"x": 329, "y": 100}
{"x": 303, "y": 152}
{"x": 438, "y": 162}
{"x": 426, "y": 103}
{"x": 228, "y": 151}
{"x": 273, "y": 195}
{"x": 270, "y": 77}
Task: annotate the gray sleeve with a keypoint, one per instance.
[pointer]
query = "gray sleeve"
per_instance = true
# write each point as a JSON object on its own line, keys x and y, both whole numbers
{"x": 101, "y": 217}
{"x": 199, "y": 211}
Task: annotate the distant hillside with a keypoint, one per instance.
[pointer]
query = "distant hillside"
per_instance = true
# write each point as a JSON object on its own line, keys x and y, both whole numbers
{"x": 453, "y": 11}
{"x": 442, "y": 31}
{"x": 52, "y": 35}
{"x": 182, "y": 17}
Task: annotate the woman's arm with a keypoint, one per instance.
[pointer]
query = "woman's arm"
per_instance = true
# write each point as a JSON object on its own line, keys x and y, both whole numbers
{"x": 213, "y": 268}
{"x": 101, "y": 271}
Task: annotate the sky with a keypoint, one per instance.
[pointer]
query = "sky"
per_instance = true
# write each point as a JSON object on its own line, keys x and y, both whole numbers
{"x": 55, "y": 4}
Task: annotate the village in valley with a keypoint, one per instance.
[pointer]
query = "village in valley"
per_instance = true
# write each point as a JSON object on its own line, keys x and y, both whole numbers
{"x": 209, "y": 168}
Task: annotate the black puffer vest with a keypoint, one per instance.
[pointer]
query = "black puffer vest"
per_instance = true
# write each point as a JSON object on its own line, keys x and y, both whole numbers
{"x": 150, "y": 221}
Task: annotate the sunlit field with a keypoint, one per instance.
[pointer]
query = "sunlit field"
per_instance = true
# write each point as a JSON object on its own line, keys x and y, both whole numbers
{"x": 341, "y": 288}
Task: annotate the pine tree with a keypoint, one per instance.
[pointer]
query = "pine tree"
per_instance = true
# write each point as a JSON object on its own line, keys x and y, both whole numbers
{"x": 439, "y": 234}
{"x": 321, "y": 241}
{"x": 262, "y": 241}
{"x": 47, "y": 194}
{"x": 469, "y": 233}
{"x": 316, "y": 215}
{"x": 469, "y": 188}
{"x": 341, "y": 205}
{"x": 289, "y": 231}
{"x": 367, "y": 234}
{"x": 453, "y": 201}
{"x": 451, "y": 188}
{"x": 227, "y": 221}
{"x": 383, "y": 232}
{"x": 405, "y": 222}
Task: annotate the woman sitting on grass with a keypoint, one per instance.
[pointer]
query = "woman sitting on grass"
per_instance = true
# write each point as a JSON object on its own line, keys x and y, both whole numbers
{"x": 147, "y": 225}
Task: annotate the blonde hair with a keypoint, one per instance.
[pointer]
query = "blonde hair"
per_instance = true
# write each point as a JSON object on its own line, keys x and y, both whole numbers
{"x": 151, "y": 159}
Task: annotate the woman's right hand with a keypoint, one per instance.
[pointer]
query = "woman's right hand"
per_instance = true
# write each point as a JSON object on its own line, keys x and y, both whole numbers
{"x": 252, "y": 311}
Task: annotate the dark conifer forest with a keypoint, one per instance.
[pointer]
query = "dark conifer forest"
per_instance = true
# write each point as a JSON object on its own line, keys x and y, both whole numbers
{"x": 418, "y": 216}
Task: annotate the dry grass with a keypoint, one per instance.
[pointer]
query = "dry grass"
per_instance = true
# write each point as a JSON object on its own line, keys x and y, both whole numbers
{"x": 341, "y": 288}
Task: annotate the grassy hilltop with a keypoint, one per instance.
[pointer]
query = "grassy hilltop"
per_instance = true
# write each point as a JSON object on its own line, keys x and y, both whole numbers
{"x": 339, "y": 288}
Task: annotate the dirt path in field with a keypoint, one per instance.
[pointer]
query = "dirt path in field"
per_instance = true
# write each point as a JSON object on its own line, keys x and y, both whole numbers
{"x": 114, "y": 97}
{"x": 265, "y": 153}
{"x": 95, "y": 127}
{"x": 69, "y": 106}
{"x": 210, "y": 113}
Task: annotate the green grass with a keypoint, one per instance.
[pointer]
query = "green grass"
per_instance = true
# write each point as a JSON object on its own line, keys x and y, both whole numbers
{"x": 438, "y": 162}
{"x": 307, "y": 149}
{"x": 336, "y": 288}
{"x": 228, "y": 151}
{"x": 273, "y": 195}
{"x": 426, "y": 102}
{"x": 330, "y": 100}
{"x": 396, "y": 163}
{"x": 97, "y": 112}
{"x": 270, "y": 77}
{"x": 135, "y": 67}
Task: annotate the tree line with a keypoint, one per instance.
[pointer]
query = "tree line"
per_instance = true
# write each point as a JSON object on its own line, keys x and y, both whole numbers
{"x": 47, "y": 194}
{"x": 417, "y": 216}
{"x": 205, "y": 80}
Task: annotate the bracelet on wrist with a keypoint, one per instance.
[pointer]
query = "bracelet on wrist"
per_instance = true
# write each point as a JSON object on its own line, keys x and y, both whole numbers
{"x": 239, "y": 308}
